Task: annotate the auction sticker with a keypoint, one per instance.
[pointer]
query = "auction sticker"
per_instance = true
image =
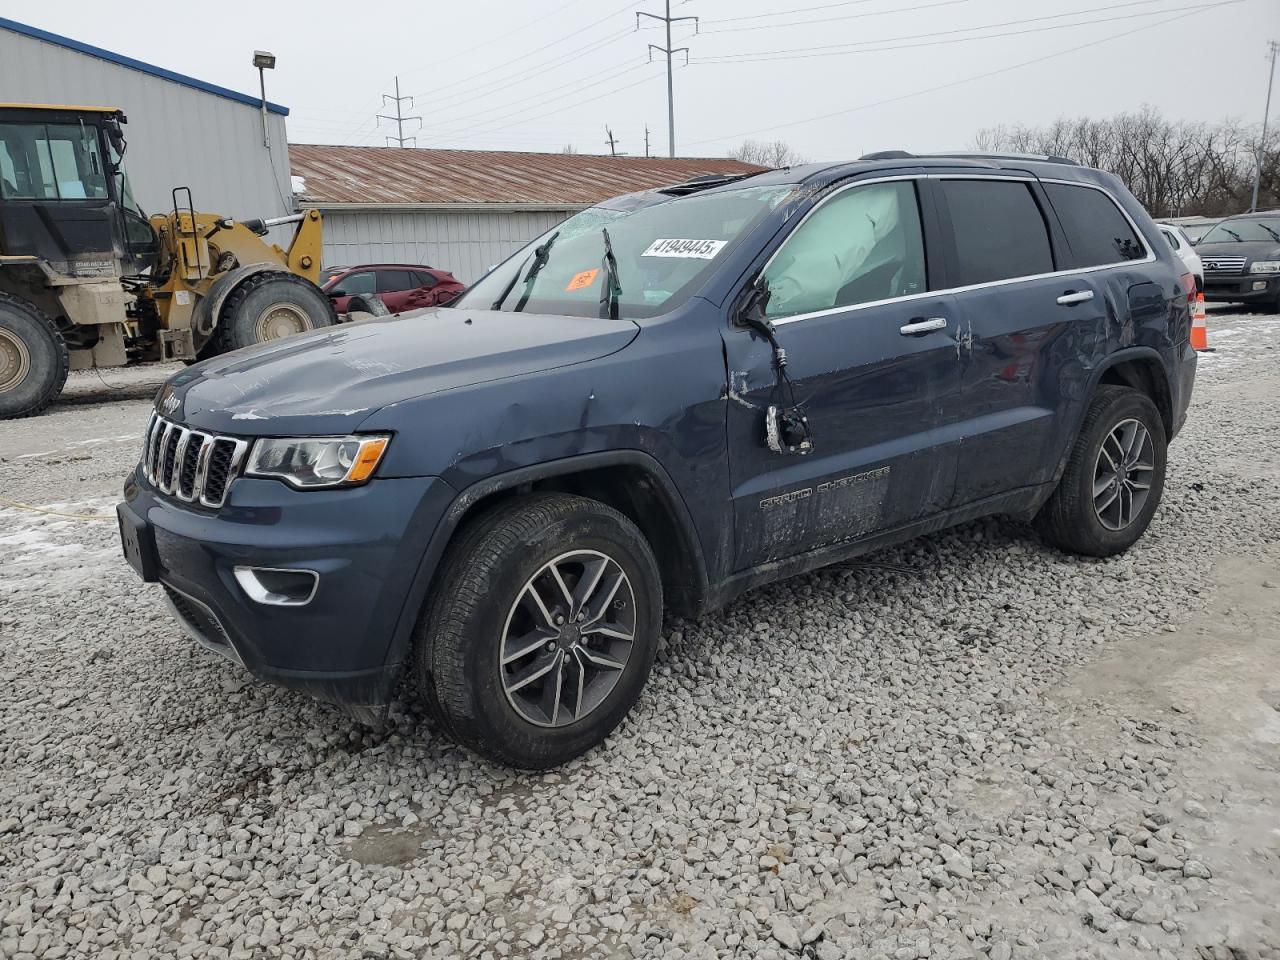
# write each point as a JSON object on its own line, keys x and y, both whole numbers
{"x": 583, "y": 279}
{"x": 695, "y": 249}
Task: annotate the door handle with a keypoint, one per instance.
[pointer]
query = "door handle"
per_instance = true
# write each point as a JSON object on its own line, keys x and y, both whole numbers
{"x": 1072, "y": 297}
{"x": 917, "y": 327}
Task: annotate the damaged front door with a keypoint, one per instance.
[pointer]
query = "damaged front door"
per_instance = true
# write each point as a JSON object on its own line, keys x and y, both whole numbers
{"x": 874, "y": 363}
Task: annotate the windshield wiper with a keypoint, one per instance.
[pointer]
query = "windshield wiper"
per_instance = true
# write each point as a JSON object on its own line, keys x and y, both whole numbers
{"x": 1275, "y": 236}
{"x": 540, "y": 257}
{"x": 506, "y": 291}
{"x": 612, "y": 285}
{"x": 1239, "y": 239}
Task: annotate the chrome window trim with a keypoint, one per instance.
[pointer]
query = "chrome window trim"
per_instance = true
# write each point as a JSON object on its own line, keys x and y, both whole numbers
{"x": 1028, "y": 179}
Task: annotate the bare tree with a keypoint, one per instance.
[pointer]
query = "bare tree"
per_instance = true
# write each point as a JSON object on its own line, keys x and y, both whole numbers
{"x": 1173, "y": 167}
{"x": 776, "y": 153}
{"x": 568, "y": 148}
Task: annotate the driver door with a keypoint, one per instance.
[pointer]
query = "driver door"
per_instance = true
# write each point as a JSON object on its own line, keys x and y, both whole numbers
{"x": 874, "y": 358}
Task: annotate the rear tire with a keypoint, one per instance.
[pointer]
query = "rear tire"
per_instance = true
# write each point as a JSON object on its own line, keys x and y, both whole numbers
{"x": 33, "y": 359}
{"x": 496, "y": 597}
{"x": 271, "y": 306}
{"x": 1114, "y": 476}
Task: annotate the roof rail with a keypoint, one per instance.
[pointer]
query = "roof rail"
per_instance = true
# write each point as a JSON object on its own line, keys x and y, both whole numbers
{"x": 981, "y": 155}
{"x": 966, "y": 155}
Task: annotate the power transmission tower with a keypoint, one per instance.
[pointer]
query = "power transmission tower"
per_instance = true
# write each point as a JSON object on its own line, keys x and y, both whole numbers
{"x": 1273, "y": 48}
{"x": 668, "y": 19}
{"x": 612, "y": 142}
{"x": 399, "y": 118}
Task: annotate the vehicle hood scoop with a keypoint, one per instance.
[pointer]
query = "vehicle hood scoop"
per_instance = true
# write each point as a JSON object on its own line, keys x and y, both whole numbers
{"x": 329, "y": 381}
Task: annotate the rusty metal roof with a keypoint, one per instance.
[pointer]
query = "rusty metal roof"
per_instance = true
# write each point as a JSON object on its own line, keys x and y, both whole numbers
{"x": 392, "y": 175}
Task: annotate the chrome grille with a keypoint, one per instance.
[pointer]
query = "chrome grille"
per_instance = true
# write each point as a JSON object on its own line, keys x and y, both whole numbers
{"x": 191, "y": 465}
{"x": 1223, "y": 266}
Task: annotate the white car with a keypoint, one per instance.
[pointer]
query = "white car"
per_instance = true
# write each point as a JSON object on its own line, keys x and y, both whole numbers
{"x": 1181, "y": 244}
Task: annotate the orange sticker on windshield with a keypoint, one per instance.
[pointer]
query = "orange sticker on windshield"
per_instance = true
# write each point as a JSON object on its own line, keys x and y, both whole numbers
{"x": 583, "y": 279}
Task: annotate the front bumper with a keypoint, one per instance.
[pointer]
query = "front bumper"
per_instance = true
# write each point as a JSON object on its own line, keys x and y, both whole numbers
{"x": 365, "y": 543}
{"x": 1241, "y": 289}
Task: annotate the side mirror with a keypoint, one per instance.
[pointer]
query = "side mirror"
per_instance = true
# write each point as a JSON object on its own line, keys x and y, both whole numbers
{"x": 753, "y": 311}
{"x": 1195, "y": 241}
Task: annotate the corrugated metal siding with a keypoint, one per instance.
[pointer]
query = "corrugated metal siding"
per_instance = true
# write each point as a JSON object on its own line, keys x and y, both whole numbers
{"x": 466, "y": 242}
{"x": 178, "y": 136}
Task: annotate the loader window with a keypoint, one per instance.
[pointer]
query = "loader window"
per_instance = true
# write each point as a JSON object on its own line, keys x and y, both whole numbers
{"x": 51, "y": 161}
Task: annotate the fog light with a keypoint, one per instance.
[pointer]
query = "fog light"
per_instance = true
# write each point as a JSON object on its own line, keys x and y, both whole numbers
{"x": 1259, "y": 284}
{"x": 278, "y": 587}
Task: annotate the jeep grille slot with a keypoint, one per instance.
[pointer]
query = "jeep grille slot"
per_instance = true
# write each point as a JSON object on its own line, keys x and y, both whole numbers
{"x": 192, "y": 465}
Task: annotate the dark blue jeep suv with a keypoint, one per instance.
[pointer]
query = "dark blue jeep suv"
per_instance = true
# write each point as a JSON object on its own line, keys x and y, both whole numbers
{"x": 668, "y": 399}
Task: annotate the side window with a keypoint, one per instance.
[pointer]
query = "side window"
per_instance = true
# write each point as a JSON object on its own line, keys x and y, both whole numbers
{"x": 999, "y": 230}
{"x": 1172, "y": 237}
{"x": 423, "y": 279}
{"x": 352, "y": 284}
{"x": 862, "y": 245}
{"x": 1096, "y": 230}
{"x": 393, "y": 281}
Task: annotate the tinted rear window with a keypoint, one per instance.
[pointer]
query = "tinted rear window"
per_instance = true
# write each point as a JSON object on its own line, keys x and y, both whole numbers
{"x": 999, "y": 230}
{"x": 1096, "y": 230}
{"x": 393, "y": 281}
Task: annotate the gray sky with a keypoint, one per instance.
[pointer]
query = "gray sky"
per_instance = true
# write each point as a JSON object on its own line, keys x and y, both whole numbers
{"x": 539, "y": 74}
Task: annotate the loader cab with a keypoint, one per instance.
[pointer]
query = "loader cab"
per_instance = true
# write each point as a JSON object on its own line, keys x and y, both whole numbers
{"x": 64, "y": 196}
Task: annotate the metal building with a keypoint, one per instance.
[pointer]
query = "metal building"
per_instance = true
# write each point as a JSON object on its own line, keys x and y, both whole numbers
{"x": 463, "y": 210}
{"x": 181, "y": 131}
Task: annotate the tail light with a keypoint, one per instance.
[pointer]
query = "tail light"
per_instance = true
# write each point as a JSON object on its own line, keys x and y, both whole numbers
{"x": 1188, "y": 281}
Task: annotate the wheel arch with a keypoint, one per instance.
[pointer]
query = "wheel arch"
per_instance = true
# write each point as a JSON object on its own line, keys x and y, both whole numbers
{"x": 208, "y": 310}
{"x": 1141, "y": 368}
{"x": 630, "y": 481}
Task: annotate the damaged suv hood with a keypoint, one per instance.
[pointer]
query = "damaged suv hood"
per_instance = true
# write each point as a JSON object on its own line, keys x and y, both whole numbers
{"x": 329, "y": 381}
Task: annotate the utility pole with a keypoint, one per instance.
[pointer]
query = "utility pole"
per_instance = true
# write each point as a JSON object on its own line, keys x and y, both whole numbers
{"x": 668, "y": 19}
{"x": 646, "y": 139}
{"x": 1273, "y": 48}
{"x": 613, "y": 143}
{"x": 399, "y": 118}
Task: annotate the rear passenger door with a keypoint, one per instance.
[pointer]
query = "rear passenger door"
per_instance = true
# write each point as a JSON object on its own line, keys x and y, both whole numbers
{"x": 394, "y": 287}
{"x": 1015, "y": 311}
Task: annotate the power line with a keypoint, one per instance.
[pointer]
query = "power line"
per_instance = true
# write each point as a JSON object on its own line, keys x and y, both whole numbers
{"x": 399, "y": 118}
{"x": 668, "y": 20}
{"x": 574, "y": 105}
{"x": 949, "y": 84}
{"x": 867, "y": 46}
{"x": 850, "y": 16}
{"x": 468, "y": 80}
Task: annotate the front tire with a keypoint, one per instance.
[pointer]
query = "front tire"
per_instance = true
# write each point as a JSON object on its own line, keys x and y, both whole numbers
{"x": 541, "y": 631}
{"x": 33, "y": 359}
{"x": 271, "y": 306}
{"x": 1114, "y": 476}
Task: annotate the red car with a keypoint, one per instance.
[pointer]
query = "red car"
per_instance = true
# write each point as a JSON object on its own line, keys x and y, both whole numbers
{"x": 401, "y": 286}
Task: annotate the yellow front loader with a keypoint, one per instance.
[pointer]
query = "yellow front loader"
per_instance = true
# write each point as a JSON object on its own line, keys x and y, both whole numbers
{"x": 87, "y": 280}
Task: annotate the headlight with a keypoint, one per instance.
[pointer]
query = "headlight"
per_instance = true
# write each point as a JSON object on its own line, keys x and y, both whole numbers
{"x": 1265, "y": 266}
{"x": 307, "y": 462}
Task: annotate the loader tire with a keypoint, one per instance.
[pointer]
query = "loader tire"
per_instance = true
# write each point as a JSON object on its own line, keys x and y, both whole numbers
{"x": 271, "y": 306}
{"x": 33, "y": 359}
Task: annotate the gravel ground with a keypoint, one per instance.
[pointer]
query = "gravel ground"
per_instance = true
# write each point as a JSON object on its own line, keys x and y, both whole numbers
{"x": 966, "y": 746}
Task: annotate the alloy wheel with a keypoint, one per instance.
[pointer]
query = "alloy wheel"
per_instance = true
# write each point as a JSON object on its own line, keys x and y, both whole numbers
{"x": 567, "y": 638}
{"x": 1122, "y": 474}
